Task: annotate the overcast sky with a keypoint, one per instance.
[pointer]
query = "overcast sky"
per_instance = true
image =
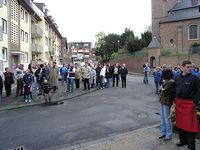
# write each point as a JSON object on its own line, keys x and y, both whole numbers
{"x": 81, "y": 20}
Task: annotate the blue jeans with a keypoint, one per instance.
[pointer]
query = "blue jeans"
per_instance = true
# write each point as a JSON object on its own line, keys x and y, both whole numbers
{"x": 157, "y": 84}
{"x": 166, "y": 124}
{"x": 70, "y": 85}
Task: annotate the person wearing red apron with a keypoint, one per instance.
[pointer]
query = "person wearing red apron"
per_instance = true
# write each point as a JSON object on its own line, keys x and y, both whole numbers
{"x": 187, "y": 96}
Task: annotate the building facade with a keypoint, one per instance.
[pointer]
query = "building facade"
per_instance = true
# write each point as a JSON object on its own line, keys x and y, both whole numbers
{"x": 80, "y": 51}
{"x": 27, "y": 33}
{"x": 175, "y": 26}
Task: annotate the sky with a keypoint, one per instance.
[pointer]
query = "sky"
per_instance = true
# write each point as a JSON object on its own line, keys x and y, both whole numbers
{"x": 81, "y": 20}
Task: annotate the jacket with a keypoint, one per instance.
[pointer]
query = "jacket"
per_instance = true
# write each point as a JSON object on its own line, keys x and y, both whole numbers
{"x": 167, "y": 94}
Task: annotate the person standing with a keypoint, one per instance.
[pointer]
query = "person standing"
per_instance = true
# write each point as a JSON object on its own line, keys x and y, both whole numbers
{"x": 19, "y": 73}
{"x": 116, "y": 69}
{"x": 157, "y": 77}
{"x": 147, "y": 70}
{"x": 187, "y": 96}
{"x": 64, "y": 73}
{"x": 53, "y": 76}
{"x": 46, "y": 87}
{"x": 123, "y": 72}
{"x": 167, "y": 96}
{"x": 77, "y": 76}
{"x": 28, "y": 80}
{"x": 70, "y": 79}
{"x": 86, "y": 72}
{"x": 9, "y": 80}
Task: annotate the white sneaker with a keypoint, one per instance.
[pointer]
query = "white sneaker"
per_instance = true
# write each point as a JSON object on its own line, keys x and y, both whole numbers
{"x": 26, "y": 100}
{"x": 29, "y": 100}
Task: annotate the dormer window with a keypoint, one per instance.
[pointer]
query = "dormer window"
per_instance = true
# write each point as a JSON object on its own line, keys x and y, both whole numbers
{"x": 194, "y": 2}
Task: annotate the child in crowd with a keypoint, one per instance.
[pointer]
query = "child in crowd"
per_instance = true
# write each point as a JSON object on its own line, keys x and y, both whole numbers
{"x": 46, "y": 87}
{"x": 28, "y": 79}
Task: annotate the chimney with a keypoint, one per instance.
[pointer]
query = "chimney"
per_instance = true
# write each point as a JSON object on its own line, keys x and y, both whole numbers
{"x": 46, "y": 11}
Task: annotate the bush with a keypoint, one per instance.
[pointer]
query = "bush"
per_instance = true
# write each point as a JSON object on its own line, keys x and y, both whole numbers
{"x": 168, "y": 52}
{"x": 141, "y": 53}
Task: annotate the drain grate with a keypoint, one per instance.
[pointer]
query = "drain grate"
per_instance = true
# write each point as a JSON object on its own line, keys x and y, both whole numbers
{"x": 18, "y": 148}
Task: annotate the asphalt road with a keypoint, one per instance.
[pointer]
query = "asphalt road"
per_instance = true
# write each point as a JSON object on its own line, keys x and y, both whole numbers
{"x": 90, "y": 117}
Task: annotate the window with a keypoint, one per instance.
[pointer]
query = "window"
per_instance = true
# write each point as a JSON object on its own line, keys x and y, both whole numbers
{"x": 22, "y": 35}
{"x": 193, "y": 32}
{"x": 46, "y": 40}
{"x": 4, "y": 25}
{"x": 46, "y": 55}
{"x": 26, "y": 16}
{"x": 4, "y": 54}
{"x": 22, "y": 13}
{"x": 26, "y": 37}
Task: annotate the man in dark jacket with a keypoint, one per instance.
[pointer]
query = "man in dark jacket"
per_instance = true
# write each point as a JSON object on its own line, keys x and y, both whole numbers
{"x": 123, "y": 72}
{"x": 9, "y": 80}
{"x": 187, "y": 96}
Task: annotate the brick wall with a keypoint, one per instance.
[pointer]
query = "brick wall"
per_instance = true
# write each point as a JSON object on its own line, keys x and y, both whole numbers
{"x": 175, "y": 60}
{"x": 134, "y": 64}
{"x": 170, "y": 31}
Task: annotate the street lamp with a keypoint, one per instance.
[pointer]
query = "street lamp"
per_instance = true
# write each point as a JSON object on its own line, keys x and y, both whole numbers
{"x": 118, "y": 44}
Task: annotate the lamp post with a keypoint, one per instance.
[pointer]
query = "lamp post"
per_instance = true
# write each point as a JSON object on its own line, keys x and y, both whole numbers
{"x": 118, "y": 44}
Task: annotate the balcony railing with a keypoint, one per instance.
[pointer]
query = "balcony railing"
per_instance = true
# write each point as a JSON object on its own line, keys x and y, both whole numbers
{"x": 36, "y": 31}
{"x": 36, "y": 48}
{"x": 1, "y": 34}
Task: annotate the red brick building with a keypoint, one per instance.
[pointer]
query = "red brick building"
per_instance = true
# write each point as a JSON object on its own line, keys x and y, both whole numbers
{"x": 175, "y": 26}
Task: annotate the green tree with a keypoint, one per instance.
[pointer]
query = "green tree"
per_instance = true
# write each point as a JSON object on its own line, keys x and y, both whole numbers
{"x": 124, "y": 36}
{"x": 146, "y": 37}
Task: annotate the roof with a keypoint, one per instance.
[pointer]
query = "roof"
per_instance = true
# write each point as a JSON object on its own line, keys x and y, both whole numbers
{"x": 155, "y": 43}
{"x": 184, "y": 4}
{"x": 183, "y": 11}
{"x": 26, "y": 4}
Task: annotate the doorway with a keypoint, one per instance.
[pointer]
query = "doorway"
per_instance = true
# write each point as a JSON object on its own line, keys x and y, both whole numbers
{"x": 152, "y": 62}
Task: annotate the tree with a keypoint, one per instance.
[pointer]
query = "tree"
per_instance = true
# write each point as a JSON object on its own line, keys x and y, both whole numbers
{"x": 146, "y": 37}
{"x": 124, "y": 36}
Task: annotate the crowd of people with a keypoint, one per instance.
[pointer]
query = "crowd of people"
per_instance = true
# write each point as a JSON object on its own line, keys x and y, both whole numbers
{"x": 178, "y": 87}
{"x": 44, "y": 78}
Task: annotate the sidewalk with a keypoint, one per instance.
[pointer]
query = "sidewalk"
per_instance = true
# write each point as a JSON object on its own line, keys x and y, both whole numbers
{"x": 13, "y": 102}
{"x": 141, "y": 139}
